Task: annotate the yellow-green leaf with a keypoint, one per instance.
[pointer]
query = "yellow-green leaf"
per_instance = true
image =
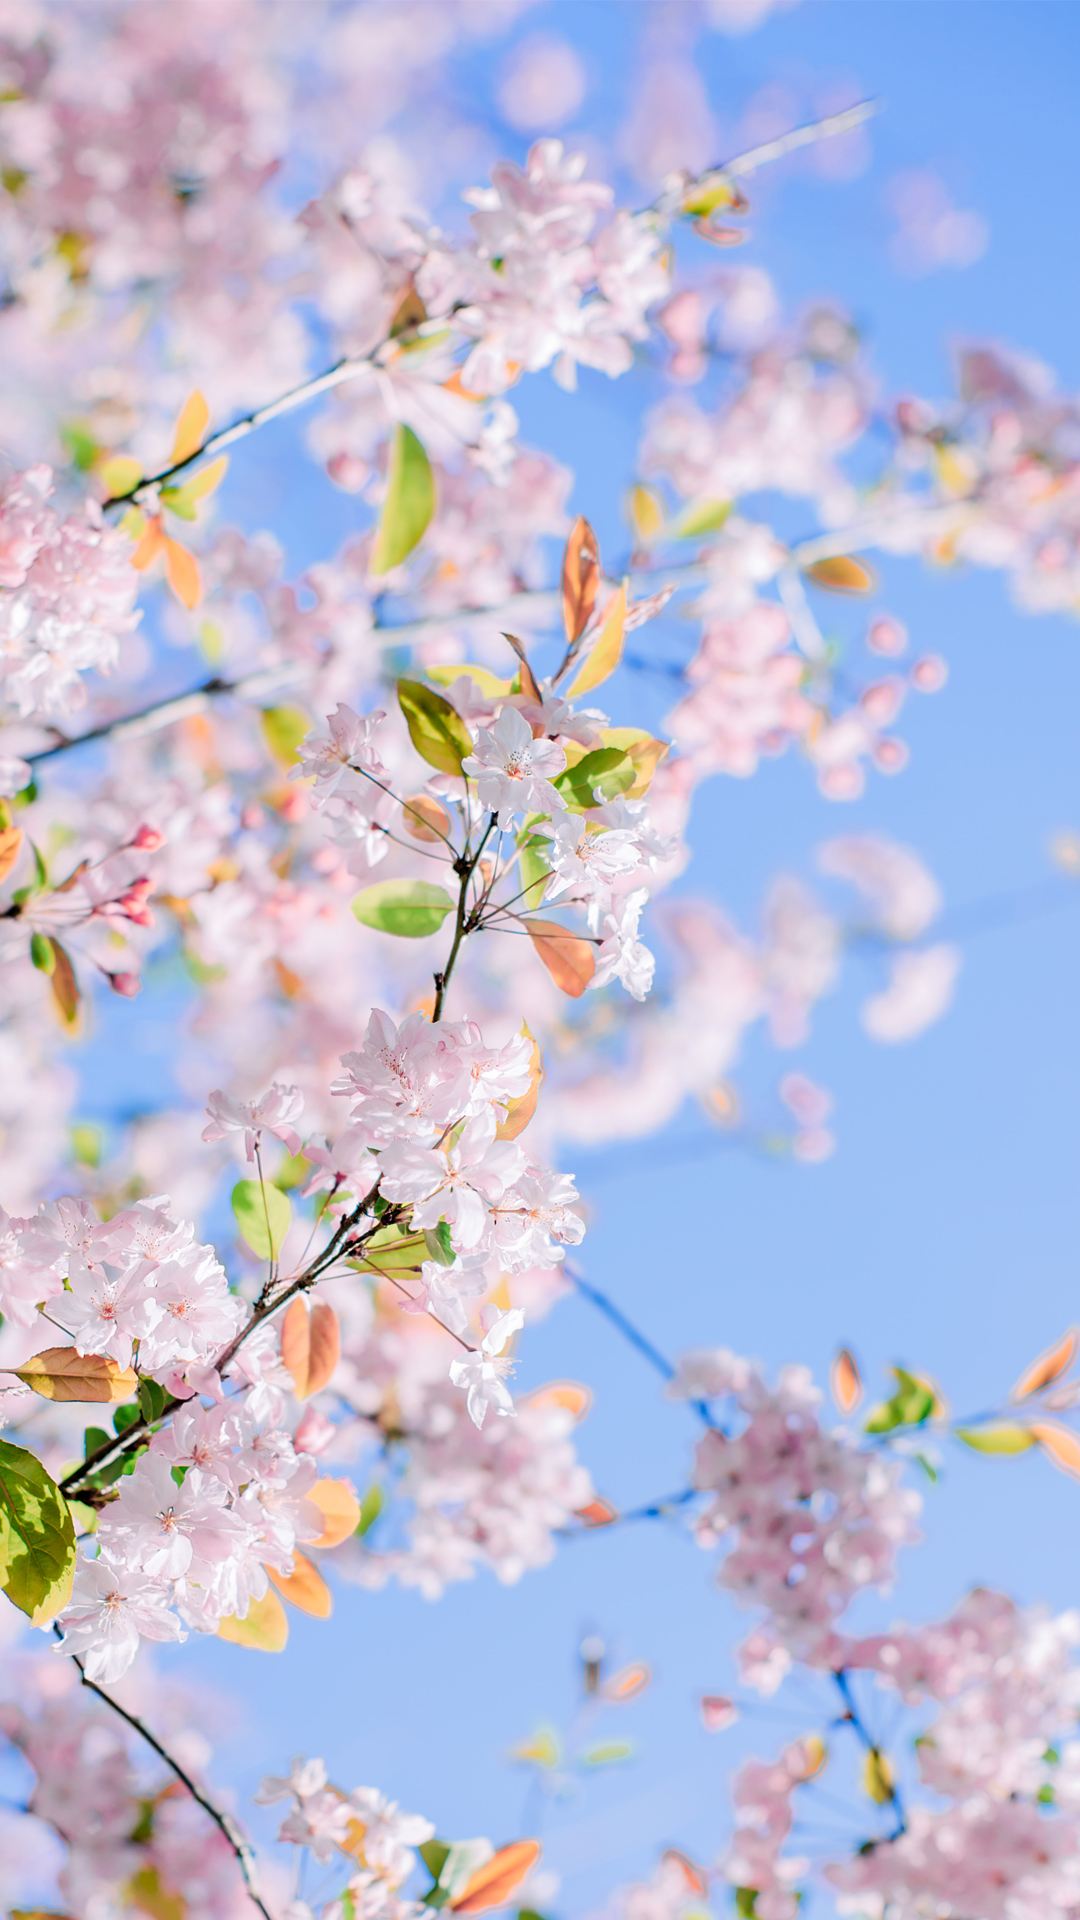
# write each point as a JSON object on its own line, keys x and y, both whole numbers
{"x": 877, "y": 1778}
{"x": 283, "y": 729}
{"x": 263, "y": 1214}
{"x": 120, "y": 474}
{"x": 37, "y": 1537}
{"x": 436, "y": 728}
{"x": 409, "y": 908}
{"x": 409, "y": 503}
{"x": 700, "y": 518}
{"x": 190, "y": 428}
{"x": 999, "y": 1436}
{"x": 606, "y": 651}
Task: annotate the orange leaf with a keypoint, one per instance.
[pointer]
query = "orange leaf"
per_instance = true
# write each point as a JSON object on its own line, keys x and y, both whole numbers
{"x": 190, "y": 428}
{"x": 60, "y": 1373}
{"x": 265, "y": 1626}
{"x": 598, "y": 1513}
{"x": 149, "y": 546}
{"x": 529, "y": 685}
{"x": 493, "y": 1884}
{"x": 182, "y": 573}
{"x": 568, "y": 1395}
{"x": 628, "y": 1683}
{"x": 1060, "y": 1444}
{"x": 519, "y": 1112}
{"x": 340, "y": 1509}
{"x": 845, "y": 1381}
{"x": 426, "y": 818}
{"x": 65, "y": 987}
{"x": 841, "y": 574}
{"x": 580, "y": 579}
{"x": 310, "y": 1345}
{"x": 570, "y": 960}
{"x": 1048, "y": 1367}
{"x": 10, "y": 842}
{"x": 304, "y": 1587}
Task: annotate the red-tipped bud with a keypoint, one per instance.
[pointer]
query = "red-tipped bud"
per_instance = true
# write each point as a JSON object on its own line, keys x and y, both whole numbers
{"x": 148, "y": 840}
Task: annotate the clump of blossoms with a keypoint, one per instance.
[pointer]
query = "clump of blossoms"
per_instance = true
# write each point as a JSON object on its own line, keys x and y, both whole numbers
{"x": 540, "y": 282}
{"x": 807, "y": 1517}
{"x": 67, "y": 596}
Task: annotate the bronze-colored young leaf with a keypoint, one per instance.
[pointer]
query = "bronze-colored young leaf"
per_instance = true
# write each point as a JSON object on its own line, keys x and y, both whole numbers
{"x": 1048, "y": 1367}
{"x": 304, "y": 1588}
{"x": 494, "y": 1884}
{"x": 570, "y": 960}
{"x": 841, "y": 574}
{"x": 844, "y": 1381}
{"x": 310, "y": 1345}
{"x": 1060, "y": 1444}
{"x": 340, "y": 1509}
{"x": 520, "y": 1111}
{"x": 580, "y": 579}
{"x": 61, "y": 1373}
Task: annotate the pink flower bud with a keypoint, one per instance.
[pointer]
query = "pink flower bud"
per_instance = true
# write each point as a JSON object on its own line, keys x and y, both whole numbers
{"x": 148, "y": 840}
{"x": 127, "y": 984}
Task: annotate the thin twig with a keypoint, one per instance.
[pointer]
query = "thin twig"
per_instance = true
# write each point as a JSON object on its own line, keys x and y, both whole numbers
{"x": 223, "y": 1821}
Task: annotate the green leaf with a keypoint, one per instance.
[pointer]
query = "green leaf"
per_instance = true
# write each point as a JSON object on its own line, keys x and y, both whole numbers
{"x": 601, "y": 775}
{"x": 439, "y": 1244}
{"x": 434, "y": 1854}
{"x": 263, "y": 1214}
{"x": 153, "y": 1399}
{"x": 42, "y": 952}
{"x": 79, "y": 444}
{"x": 370, "y": 1508}
{"x": 408, "y": 908}
{"x": 534, "y": 861}
{"x": 999, "y": 1436}
{"x": 283, "y": 729}
{"x": 746, "y": 1902}
{"x": 125, "y": 1417}
{"x": 409, "y": 503}
{"x": 911, "y": 1405}
{"x": 93, "y": 1438}
{"x": 436, "y": 728}
{"x": 37, "y": 1537}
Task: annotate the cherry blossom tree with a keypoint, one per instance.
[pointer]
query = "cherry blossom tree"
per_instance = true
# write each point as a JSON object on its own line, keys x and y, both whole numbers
{"x": 275, "y": 1313}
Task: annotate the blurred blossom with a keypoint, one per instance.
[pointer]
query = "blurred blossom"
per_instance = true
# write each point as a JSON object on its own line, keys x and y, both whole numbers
{"x": 542, "y": 84}
{"x": 931, "y": 232}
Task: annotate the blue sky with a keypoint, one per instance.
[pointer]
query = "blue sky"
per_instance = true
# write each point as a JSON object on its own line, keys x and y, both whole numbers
{"x": 943, "y": 1233}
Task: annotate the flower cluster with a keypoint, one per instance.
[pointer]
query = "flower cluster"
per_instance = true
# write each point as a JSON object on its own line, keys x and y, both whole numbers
{"x": 137, "y": 1285}
{"x": 216, "y": 1505}
{"x": 67, "y": 595}
{"x": 538, "y": 283}
{"x": 807, "y": 1517}
{"x": 375, "y": 1835}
